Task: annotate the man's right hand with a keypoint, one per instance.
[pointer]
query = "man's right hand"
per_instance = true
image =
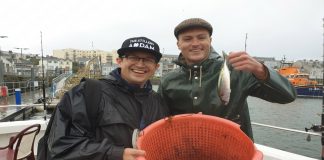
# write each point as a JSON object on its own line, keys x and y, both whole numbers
{"x": 133, "y": 154}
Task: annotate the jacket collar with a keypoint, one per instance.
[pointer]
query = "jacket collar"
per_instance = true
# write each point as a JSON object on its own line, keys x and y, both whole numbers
{"x": 116, "y": 77}
{"x": 199, "y": 67}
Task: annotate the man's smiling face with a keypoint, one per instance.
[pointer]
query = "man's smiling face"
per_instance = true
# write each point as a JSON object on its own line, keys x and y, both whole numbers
{"x": 194, "y": 45}
{"x": 137, "y": 67}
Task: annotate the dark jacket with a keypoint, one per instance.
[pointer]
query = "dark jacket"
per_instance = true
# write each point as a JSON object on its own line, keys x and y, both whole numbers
{"x": 122, "y": 109}
{"x": 192, "y": 89}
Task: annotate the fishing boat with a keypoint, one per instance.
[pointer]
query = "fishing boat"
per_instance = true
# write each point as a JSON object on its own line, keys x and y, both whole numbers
{"x": 305, "y": 87}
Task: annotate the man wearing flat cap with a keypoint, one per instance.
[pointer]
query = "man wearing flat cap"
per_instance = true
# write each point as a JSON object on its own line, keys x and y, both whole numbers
{"x": 193, "y": 87}
{"x": 127, "y": 103}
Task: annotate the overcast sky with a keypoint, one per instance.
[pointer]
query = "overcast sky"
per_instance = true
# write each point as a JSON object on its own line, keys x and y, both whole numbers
{"x": 275, "y": 28}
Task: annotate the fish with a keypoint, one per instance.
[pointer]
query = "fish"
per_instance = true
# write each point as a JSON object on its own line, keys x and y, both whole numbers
{"x": 135, "y": 136}
{"x": 224, "y": 82}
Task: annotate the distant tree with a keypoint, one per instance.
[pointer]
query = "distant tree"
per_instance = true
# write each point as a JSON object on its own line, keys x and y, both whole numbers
{"x": 75, "y": 67}
{"x": 34, "y": 61}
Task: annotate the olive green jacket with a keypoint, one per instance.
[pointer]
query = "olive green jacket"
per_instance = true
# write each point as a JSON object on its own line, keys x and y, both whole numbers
{"x": 193, "y": 89}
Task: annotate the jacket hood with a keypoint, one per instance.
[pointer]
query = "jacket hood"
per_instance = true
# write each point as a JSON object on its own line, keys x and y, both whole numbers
{"x": 213, "y": 55}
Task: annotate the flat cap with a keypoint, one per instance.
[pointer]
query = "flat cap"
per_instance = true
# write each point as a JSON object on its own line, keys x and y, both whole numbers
{"x": 192, "y": 23}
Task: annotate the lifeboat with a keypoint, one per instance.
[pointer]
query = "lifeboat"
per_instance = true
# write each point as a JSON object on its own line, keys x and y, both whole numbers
{"x": 305, "y": 87}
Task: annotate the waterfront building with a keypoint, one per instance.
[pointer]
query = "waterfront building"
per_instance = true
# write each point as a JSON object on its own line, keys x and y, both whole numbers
{"x": 23, "y": 68}
{"x": 54, "y": 66}
{"x": 106, "y": 68}
{"x": 268, "y": 61}
{"x": 8, "y": 65}
{"x": 316, "y": 73}
{"x": 166, "y": 64}
{"x": 73, "y": 54}
{"x": 313, "y": 67}
{"x": 158, "y": 72}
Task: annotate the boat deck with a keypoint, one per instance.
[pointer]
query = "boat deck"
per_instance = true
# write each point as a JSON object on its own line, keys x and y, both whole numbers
{"x": 9, "y": 128}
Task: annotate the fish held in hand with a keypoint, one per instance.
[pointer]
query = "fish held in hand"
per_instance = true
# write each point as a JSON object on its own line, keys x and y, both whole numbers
{"x": 224, "y": 82}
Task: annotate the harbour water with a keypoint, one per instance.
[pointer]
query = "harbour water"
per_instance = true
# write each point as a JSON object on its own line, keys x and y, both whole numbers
{"x": 301, "y": 113}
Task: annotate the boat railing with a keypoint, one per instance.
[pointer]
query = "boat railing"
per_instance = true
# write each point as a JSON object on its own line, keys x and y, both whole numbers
{"x": 19, "y": 112}
{"x": 25, "y": 107}
{"x": 60, "y": 77}
{"x": 25, "y": 86}
{"x": 55, "y": 88}
{"x": 307, "y": 132}
{"x": 289, "y": 129}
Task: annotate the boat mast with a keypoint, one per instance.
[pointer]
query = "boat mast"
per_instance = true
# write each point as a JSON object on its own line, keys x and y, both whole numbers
{"x": 322, "y": 118}
{"x": 245, "y": 42}
{"x": 43, "y": 77}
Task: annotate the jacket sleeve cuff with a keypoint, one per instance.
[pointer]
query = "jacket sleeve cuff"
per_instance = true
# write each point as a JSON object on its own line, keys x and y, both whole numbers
{"x": 267, "y": 76}
{"x": 116, "y": 153}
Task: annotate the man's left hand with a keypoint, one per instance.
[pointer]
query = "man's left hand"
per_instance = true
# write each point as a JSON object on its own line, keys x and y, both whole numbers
{"x": 244, "y": 62}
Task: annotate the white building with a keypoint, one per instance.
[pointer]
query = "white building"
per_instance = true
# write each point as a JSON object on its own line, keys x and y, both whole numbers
{"x": 8, "y": 65}
{"x": 53, "y": 65}
{"x": 316, "y": 73}
{"x": 268, "y": 61}
{"x": 106, "y": 68}
{"x": 23, "y": 68}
